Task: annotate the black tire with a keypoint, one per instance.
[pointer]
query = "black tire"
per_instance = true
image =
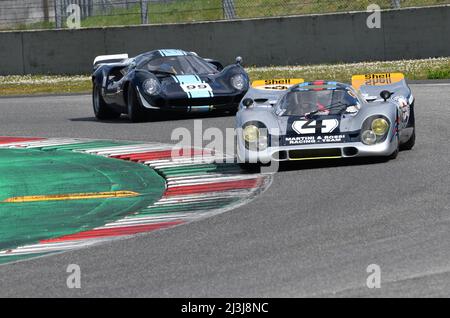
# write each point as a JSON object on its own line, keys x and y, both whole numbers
{"x": 250, "y": 167}
{"x": 410, "y": 143}
{"x": 396, "y": 151}
{"x": 231, "y": 112}
{"x": 136, "y": 112}
{"x": 412, "y": 123}
{"x": 101, "y": 109}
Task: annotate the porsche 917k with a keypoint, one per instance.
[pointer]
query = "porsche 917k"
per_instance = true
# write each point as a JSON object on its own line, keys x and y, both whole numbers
{"x": 295, "y": 120}
{"x": 164, "y": 80}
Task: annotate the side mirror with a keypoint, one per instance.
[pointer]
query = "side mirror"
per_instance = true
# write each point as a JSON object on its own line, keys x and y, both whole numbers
{"x": 247, "y": 102}
{"x": 238, "y": 60}
{"x": 386, "y": 95}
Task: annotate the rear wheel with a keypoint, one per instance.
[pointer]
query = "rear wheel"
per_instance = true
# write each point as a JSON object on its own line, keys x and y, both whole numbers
{"x": 136, "y": 112}
{"x": 101, "y": 109}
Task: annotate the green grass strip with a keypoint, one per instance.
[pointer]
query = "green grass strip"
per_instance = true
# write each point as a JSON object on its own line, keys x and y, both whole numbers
{"x": 421, "y": 69}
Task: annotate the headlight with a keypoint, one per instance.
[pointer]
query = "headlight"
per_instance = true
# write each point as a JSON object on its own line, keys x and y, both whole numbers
{"x": 374, "y": 130}
{"x": 151, "y": 86}
{"x": 238, "y": 81}
{"x": 263, "y": 142}
{"x": 368, "y": 137}
{"x": 380, "y": 126}
{"x": 251, "y": 133}
{"x": 256, "y": 136}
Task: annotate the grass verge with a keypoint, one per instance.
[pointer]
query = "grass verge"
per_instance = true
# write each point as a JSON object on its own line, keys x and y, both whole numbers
{"x": 436, "y": 68}
{"x": 43, "y": 84}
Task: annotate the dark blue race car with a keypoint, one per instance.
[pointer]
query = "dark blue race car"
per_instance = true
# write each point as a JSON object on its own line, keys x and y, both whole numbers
{"x": 164, "y": 80}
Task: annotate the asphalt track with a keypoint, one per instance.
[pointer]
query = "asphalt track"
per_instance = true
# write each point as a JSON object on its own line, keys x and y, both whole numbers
{"x": 312, "y": 233}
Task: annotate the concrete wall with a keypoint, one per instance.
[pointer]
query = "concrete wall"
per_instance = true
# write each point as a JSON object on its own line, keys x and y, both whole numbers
{"x": 405, "y": 33}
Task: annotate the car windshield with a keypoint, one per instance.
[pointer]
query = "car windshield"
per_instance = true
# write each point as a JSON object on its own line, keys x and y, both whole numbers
{"x": 299, "y": 102}
{"x": 180, "y": 65}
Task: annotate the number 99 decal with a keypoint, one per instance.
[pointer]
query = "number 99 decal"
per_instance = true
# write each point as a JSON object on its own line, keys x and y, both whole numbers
{"x": 197, "y": 90}
{"x": 195, "y": 87}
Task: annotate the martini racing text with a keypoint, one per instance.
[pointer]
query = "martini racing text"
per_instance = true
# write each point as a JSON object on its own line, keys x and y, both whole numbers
{"x": 325, "y": 139}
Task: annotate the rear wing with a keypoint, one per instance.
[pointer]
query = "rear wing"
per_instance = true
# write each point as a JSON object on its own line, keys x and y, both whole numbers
{"x": 378, "y": 79}
{"x": 113, "y": 58}
{"x": 277, "y": 84}
{"x": 371, "y": 85}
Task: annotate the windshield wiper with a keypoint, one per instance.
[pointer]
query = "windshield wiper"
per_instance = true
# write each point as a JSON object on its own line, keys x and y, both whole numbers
{"x": 332, "y": 106}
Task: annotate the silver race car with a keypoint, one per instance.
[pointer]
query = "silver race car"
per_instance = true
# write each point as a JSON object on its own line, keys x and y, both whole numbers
{"x": 289, "y": 119}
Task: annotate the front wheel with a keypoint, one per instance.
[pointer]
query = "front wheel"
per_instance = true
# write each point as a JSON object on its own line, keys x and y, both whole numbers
{"x": 250, "y": 167}
{"x": 410, "y": 143}
{"x": 101, "y": 109}
{"x": 396, "y": 151}
{"x": 136, "y": 112}
{"x": 412, "y": 140}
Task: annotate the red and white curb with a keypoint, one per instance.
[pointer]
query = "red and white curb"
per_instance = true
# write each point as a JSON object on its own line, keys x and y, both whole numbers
{"x": 198, "y": 185}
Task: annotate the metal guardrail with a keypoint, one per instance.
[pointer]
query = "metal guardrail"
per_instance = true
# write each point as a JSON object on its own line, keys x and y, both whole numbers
{"x": 32, "y": 14}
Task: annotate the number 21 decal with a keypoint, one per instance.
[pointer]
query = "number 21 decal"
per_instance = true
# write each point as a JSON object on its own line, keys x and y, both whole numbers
{"x": 308, "y": 127}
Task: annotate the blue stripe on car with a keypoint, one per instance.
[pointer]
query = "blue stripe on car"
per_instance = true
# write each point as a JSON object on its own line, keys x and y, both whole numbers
{"x": 200, "y": 108}
{"x": 172, "y": 52}
{"x": 188, "y": 79}
{"x": 194, "y": 80}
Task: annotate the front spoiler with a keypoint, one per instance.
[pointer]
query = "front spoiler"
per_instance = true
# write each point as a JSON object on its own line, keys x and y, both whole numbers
{"x": 343, "y": 150}
{"x": 187, "y": 108}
